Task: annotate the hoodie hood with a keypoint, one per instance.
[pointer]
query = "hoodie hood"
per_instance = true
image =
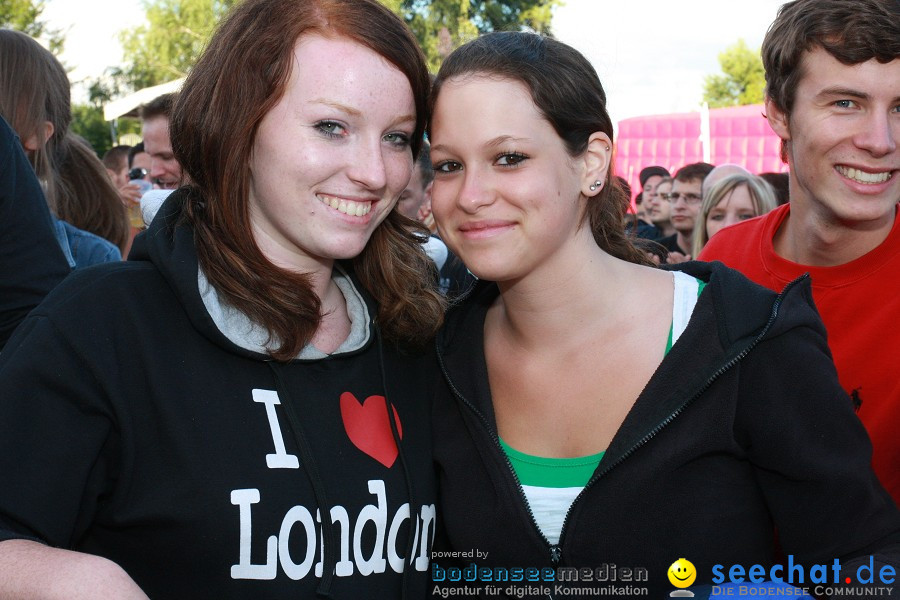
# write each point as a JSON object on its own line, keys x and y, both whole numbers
{"x": 168, "y": 243}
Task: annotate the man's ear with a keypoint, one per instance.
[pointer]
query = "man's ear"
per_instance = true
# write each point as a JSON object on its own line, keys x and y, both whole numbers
{"x": 778, "y": 120}
{"x": 597, "y": 159}
{"x": 32, "y": 143}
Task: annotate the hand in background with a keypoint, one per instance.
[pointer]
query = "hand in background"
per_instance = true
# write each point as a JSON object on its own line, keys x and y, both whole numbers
{"x": 677, "y": 257}
{"x": 130, "y": 194}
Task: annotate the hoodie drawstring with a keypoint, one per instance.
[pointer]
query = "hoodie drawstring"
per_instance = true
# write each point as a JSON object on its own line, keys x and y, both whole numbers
{"x": 309, "y": 465}
{"x": 306, "y": 458}
{"x": 411, "y": 536}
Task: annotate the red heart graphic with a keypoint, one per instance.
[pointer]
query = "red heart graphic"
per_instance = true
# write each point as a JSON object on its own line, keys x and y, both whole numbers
{"x": 367, "y": 427}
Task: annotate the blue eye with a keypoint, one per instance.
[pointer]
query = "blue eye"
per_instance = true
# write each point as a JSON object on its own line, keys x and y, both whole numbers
{"x": 330, "y": 128}
{"x": 400, "y": 140}
{"x": 845, "y": 103}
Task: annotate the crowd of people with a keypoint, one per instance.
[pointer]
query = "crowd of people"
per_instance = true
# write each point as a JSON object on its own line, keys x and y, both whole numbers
{"x": 681, "y": 213}
{"x": 370, "y": 316}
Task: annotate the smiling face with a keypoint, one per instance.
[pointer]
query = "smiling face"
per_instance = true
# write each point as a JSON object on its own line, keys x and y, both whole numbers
{"x": 682, "y": 573}
{"x": 331, "y": 158}
{"x": 165, "y": 171}
{"x": 507, "y": 195}
{"x": 735, "y": 207}
{"x": 843, "y": 134}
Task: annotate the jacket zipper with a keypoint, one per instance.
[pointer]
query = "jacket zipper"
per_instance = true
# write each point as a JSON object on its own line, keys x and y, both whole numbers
{"x": 723, "y": 369}
{"x": 555, "y": 550}
{"x": 555, "y": 553}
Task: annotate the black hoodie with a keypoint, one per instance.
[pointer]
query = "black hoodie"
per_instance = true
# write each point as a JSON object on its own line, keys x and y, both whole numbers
{"x": 132, "y": 428}
{"x": 743, "y": 428}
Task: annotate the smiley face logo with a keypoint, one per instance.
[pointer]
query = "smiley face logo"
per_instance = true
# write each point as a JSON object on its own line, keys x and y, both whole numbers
{"x": 682, "y": 573}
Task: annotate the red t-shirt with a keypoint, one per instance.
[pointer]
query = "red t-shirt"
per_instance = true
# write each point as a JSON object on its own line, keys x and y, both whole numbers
{"x": 860, "y": 304}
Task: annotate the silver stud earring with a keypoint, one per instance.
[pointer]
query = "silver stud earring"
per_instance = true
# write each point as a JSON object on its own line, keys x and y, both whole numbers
{"x": 595, "y": 186}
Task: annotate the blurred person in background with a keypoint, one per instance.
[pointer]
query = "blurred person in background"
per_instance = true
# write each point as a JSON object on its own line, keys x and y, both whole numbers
{"x": 721, "y": 172}
{"x": 31, "y": 261}
{"x": 165, "y": 170}
{"x": 139, "y": 162}
{"x": 118, "y": 167}
{"x": 658, "y": 208}
{"x": 684, "y": 205}
{"x": 650, "y": 177}
{"x": 35, "y": 100}
{"x": 730, "y": 200}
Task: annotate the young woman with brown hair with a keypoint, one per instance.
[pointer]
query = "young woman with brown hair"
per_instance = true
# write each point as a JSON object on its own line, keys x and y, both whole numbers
{"x": 572, "y": 431}
{"x": 240, "y": 410}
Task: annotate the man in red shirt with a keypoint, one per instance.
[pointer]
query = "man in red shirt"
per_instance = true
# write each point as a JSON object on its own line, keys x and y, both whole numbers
{"x": 833, "y": 97}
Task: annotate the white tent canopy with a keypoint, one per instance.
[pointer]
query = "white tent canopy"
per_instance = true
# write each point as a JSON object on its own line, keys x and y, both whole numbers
{"x": 128, "y": 105}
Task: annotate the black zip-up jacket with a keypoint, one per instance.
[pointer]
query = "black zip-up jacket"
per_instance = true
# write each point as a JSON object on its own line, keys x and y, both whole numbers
{"x": 742, "y": 429}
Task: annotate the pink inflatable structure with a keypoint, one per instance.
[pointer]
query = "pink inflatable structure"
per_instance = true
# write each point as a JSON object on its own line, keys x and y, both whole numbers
{"x": 738, "y": 134}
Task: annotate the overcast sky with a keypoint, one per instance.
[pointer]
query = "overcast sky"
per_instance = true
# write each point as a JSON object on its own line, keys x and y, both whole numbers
{"x": 651, "y": 55}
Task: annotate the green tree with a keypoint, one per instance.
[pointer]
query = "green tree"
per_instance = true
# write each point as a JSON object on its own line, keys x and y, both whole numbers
{"x": 175, "y": 34}
{"x": 25, "y": 16}
{"x": 442, "y": 25}
{"x": 743, "y": 80}
{"x": 176, "y": 31}
{"x": 88, "y": 122}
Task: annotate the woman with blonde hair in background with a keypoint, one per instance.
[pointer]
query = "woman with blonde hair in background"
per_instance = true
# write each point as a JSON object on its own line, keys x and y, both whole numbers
{"x": 733, "y": 199}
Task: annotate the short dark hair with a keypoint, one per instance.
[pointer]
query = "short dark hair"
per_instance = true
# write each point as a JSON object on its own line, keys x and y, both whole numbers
{"x": 693, "y": 171}
{"x": 161, "y": 106}
{"x": 852, "y": 31}
{"x": 113, "y": 158}
{"x": 652, "y": 171}
{"x": 135, "y": 150}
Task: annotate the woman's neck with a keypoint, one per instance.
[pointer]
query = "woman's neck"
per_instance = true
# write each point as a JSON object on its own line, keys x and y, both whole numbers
{"x": 563, "y": 296}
